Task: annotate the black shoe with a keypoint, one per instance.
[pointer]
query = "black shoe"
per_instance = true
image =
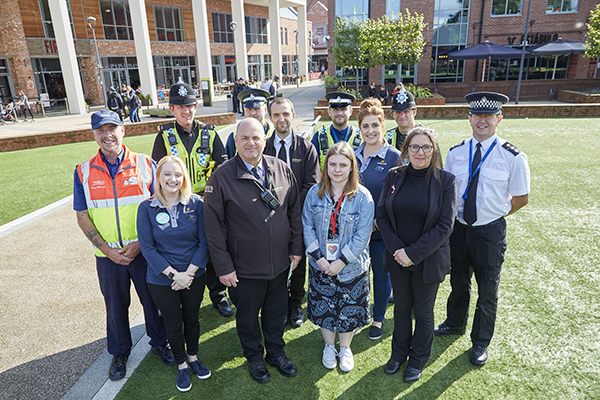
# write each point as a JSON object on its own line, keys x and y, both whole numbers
{"x": 284, "y": 365}
{"x": 479, "y": 356}
{"x": 412, "y": 374}
{"x": 224, "y": 308}
{"x": 165, "y": 354}
{"x": 258, "y": 371}
{"x": 392, "y": 366}
{"x": 443, "y": 329}
{"x": 118, "y": 368}
{"x": 375, "y": 332}
{"x": 296, "y": 317}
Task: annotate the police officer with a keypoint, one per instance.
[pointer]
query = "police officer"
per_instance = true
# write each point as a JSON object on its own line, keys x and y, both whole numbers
{"x": 254, "y": 102}
{"x": 404, "y": 111}
{"x": 340, "y": 110}
{"x": 201, "y": 149}
{"x": 492, "y": 176}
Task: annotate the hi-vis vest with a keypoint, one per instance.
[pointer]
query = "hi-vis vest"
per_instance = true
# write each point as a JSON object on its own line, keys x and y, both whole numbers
{"x": 113, "y": 203}
{"x": 199, "y": 163}
{"x": 326, "y": 141}
{"x": 392, "y": 138}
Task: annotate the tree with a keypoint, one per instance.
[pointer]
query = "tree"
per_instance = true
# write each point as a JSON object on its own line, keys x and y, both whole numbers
{"x": 382, "y": 41}
{"x": 593, "y": 34}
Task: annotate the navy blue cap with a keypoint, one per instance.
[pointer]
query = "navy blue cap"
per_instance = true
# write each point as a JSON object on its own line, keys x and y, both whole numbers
{"x": 104, "y": 117}
{"x": 339, "y": 99}
{"x": 254, "y": 98}
{"x": 485, "y": 102}
{"x": 403, "y": 100}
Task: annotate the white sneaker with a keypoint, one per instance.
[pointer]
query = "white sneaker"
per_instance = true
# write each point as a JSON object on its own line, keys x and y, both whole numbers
{"x": 346, "y": 359}
{"x": 329, "y": 354}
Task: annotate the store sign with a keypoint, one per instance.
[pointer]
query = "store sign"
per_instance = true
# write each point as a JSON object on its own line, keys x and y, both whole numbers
{"x": 534, "y": 38}
{"x": 45, "y": 99}
{"x": 52, "y": 48}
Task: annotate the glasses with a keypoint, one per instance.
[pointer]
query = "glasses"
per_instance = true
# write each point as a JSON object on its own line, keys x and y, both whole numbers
{"x": 415, "y": 148}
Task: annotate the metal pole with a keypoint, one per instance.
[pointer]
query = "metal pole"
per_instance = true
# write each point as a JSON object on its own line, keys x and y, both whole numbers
{"x": 524, "y": 44}
{"x": 297, "y": 62}
{"x": 90, "y": 20}
{"x": 232, "y": 26}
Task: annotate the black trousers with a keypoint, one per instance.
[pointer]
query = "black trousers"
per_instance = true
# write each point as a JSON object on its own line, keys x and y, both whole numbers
{"x": 476, "y": 250}
{"x": 216, "y": 290}
{"x": 269, "y": 298}
{"x": 411, "y": 294}
{"x": 297, "y": 290}
{"x": 179, "y": 309}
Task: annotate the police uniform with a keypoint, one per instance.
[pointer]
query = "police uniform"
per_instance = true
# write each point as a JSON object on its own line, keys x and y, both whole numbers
{"x": 403, "y": 100}
{"x": 478, "y": 246}
{"x": 326, "y": 137}
{"x": 202, "y": 151}
{"x": 251, "y": 98}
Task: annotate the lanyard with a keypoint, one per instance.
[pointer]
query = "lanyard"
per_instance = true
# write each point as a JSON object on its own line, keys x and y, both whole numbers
{"x": 471, "y": 172}
{"x": 335, "y": 136}
{"x": 334, "y": 214}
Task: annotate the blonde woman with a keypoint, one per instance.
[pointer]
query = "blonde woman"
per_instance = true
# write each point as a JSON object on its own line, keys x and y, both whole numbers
{"x": 170, "y": 229}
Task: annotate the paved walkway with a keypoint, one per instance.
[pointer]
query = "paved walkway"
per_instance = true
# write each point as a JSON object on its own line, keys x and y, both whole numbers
{"x": 52, "y": 318}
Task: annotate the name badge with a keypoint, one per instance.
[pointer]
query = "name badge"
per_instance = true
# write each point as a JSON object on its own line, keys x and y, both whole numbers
{"x": 162, "y": 218}
{"x": 333, "y": 250}
{"x": 379, "y": 168}
{"x": 190, "y": 217}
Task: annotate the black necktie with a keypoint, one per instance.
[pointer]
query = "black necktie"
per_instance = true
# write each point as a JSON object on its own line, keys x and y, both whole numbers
{"x": 256, "y": 173}
{"x": 281, "y": 154}
{"x": 470, "y": 213}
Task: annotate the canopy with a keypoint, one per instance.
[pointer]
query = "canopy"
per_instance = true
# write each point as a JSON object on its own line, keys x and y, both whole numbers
{"x": 485, "y": 50}
{"x": 559, "y": 47}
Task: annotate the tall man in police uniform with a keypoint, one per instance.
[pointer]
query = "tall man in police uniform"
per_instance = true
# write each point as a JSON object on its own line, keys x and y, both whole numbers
{"x": 404, "y": 110}
{"x": 493, "y": 181}
{"x": 340, "y": 110}
{"x": 201, "y": 149}
{"x": 300, "y": 155}
{"x": 117, "y": 176}
{"x": 254, "y": 103}
{"x": 254, "y": 233}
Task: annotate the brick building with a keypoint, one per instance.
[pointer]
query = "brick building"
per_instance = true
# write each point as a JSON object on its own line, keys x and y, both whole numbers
{"x": 454, "y": 25}
{"x": 191, "y": 39}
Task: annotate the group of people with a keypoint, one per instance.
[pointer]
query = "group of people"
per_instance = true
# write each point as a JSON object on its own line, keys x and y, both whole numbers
{"x": 125, "y": 102}
{"x": 381, "y": 94}
{"x": 253, "y": 217}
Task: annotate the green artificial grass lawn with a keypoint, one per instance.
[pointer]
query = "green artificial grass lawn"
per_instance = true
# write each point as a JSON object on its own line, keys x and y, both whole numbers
{"x": 546, "y": 343}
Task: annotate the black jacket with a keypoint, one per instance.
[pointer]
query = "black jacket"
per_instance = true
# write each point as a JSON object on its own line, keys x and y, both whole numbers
{"x": 243, "y": 234}
{"x": 303, "y": 159}
{"x": 433, "y": 248}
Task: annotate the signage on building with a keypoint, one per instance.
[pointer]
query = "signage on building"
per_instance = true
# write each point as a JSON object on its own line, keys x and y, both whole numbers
{"x": 52, "y": 48}
{"x": 533, "y": 38}
{"x": 45, "y": 99}
{"x": 30, "y": 84}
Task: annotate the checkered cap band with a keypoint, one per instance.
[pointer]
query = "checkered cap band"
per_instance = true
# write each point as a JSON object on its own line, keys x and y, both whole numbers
{"x": 255, "y": 98}
{"x": 484, "y": 102}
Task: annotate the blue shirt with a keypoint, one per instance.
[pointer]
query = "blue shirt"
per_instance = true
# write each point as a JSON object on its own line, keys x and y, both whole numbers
{"x": 79, "y": 202}
{"x": 374, "y": 169}
{"x": 172, "y": 237}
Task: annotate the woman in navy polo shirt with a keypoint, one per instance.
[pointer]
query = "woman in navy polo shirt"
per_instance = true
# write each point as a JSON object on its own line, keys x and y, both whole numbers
{"x": 170, "y": 228}
{"x": 375, "y": 157}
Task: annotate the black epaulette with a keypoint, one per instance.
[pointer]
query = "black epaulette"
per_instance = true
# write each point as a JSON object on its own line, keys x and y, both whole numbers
{"x": 511, "y": 148}
{"x": 458, "y": 145}
{"x": 164, "y": 127}
{"x": 207, "y": 126}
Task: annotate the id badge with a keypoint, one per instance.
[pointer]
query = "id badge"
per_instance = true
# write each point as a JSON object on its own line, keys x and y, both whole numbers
{"x": 333, "y": 250}
{"x": 459, "y": 212}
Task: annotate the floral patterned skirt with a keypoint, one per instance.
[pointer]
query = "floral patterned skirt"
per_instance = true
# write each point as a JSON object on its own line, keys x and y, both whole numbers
{"x": 338, "y": 306}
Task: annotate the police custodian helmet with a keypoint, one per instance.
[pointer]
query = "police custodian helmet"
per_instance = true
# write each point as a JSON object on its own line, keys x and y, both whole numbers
{"x": 181, "y": 94}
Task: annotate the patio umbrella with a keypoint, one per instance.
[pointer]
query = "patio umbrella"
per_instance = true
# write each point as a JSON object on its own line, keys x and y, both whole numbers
{"x": 485, "y": 51}
{"x": 558, "y": 47}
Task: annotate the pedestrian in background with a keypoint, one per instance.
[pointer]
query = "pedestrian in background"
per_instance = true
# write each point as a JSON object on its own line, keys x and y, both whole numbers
{"x": 24, "y": 102}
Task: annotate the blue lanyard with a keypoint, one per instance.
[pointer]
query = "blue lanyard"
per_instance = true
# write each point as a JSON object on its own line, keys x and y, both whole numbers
{"x": 471, "y": 172}
{"x": 335, "y": 137}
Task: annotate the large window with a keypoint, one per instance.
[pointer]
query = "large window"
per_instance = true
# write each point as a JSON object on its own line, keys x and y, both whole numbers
{"x": 557, "y": 6}
{"x": 221, "y": 31}
{"x": 168, "y": 70}
{"x": 47, "y": 19}
{"x": 116, "y": 20}
{"x": 256, "y": 30}
{"x": 169, "y": 24}
{"x": 358, "y": 9}
{"x": 506, "y": 7}
{"x": 392, "y": 8}
{"x": 120, "y": 70}
{"x": 395, "y": 73}
{"x": 541, "y": 67}
{"x": 450, "y": 28}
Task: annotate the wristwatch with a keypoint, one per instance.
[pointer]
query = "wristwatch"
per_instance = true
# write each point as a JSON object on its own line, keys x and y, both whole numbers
{"x": 171, "y": 275}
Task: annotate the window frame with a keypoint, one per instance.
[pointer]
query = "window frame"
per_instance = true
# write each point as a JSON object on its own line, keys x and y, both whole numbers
{"x": 575, "y": 10}
{"x": 166, "y": 33}
{"x": 116, "y": 29}
{"x": 505, "y": 14}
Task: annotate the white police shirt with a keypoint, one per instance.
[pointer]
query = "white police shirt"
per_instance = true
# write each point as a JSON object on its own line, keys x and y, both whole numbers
{"x": 503, "y": 174}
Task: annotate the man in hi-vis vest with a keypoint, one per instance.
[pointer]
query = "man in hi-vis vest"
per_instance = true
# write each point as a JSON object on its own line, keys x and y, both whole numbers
{"x": 106, "y": 193}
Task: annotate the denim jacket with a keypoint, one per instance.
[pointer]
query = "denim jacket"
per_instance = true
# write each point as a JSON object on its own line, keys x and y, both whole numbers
{"x": 356, "y": 220}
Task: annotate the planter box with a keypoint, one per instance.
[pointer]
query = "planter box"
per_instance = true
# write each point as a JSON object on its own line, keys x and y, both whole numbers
{"x": 572, "y": 96}
{"x": 146, "y": 102}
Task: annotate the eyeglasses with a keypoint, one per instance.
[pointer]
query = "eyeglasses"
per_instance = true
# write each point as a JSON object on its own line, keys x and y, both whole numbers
{"x": 415, "y": 148}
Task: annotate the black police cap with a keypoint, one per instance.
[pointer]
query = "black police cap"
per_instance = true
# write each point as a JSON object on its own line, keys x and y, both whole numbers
{"x": 485, "y": 102}
{"x": 182, "y": 94}
{"x": 403, "y": 100}
{"x": 339, "y": 99}
{"x": 254, "y": 98}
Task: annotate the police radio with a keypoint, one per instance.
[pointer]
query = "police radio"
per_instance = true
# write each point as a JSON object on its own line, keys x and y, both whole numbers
{"x": 268, "y": 197}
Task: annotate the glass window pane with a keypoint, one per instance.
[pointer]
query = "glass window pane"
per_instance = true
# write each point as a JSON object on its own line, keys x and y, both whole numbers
{"x": 170, "y": 36}
{"x": 107, "y": 15}
{"x": 177, "y": 18}
{"x": 168, "y": 12}
{"x": 119, "y": 13}
{"x": 109, "y": 32}
{"x": 158, "y": 18}
{"x": 128, "y": 14}
{"x": 122, "y": 33}
{"x": 130, "y": 33}
{"x": 160, "y": 35}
